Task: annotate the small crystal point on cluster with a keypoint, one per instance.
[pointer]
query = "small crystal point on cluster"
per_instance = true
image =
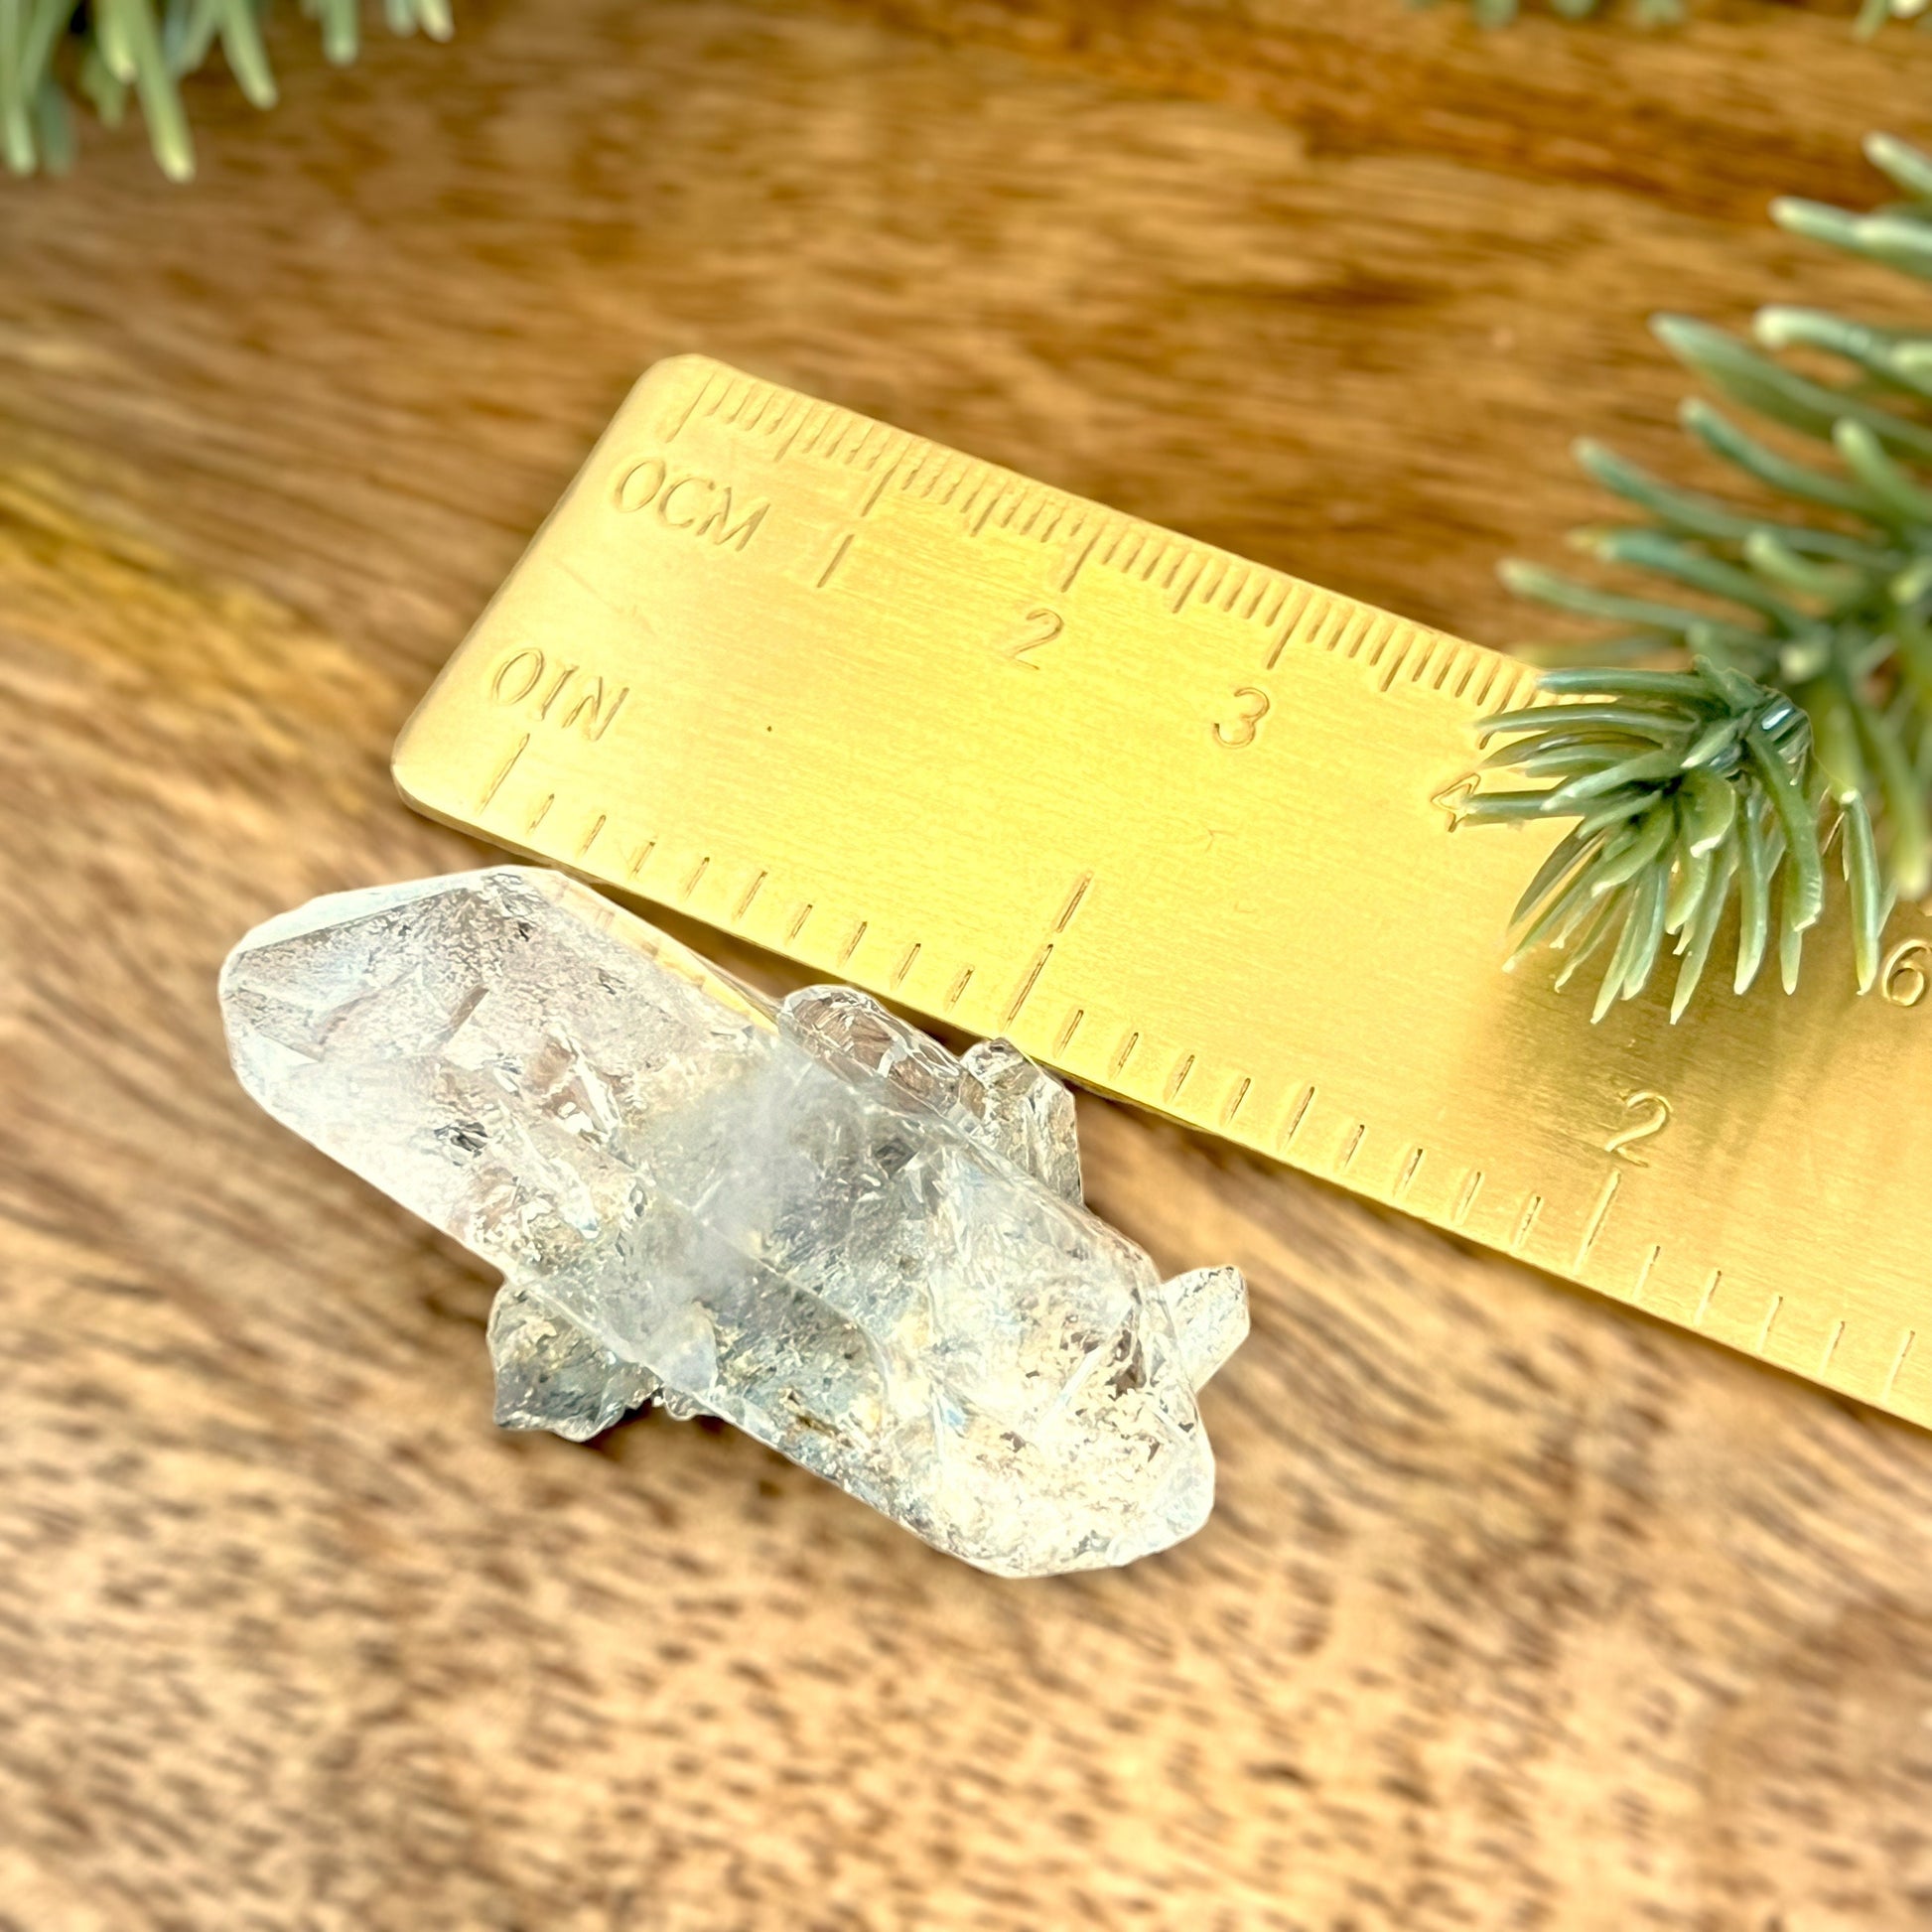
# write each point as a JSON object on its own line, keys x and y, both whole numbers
{"x": 808, "y": 1218}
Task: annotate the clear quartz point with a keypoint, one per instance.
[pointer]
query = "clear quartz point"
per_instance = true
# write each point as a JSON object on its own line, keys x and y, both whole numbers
{"x": 808, "y": 1218}
{"x": 554, "y": 1373}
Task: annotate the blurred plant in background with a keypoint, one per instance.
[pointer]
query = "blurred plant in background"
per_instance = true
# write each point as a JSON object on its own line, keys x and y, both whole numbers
{"x": 1872, "y": 14}
{"x": 1767, "y": 692}
{"x": 112, "y": 50}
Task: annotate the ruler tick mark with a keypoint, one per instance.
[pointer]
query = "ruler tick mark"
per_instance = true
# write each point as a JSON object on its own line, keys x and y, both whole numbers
{"x": 1185, "y": 587}
{"x": 1467, "y": 1199}
{"x": 793, "y": 420}
{"x": 1179, "y": 1078}
{"x": 1830, "y": 1346}
{"x": 542, "y": 811}
{"x": 502, "y": 771}
{"x": 1235, "y": 1100}
{"x": 1410, "y": 1169}
{"x": 1531, "y": 1210}
{"x": 887, "y": 472}
{"x": 691, "y": 883}
{"x": 1027, "y": 984}
{"x": 1643, "y": 1274}
{"x": 589, "y": 838}
{"x": 1072, "y": 905}
{"x": 1598, "y": 1216}
{"x": 852, "y": 946}
{"x": 750, "y": 893}
{"x": 1072, "y": 1027}
{"x": 1293, "y": 1126}
{"x": 957, "y": 991}
{"x": 1125, "y": 1051}
{"x": 1078, "y": 562}
{"x": 1704, "y": 1301}
{"x": 904, "y": 966}
{"x": 640, "y": 858}
{"x": 697, "y": 397}
{"x": 1898, "y": 1360}
{"x": 1764, "y": 1327}
{"x": 797, "y": 924}
{"x": 1396, "y": 660}
{"x": 1353, "y": 1147}
{"x": 836, "y": 559}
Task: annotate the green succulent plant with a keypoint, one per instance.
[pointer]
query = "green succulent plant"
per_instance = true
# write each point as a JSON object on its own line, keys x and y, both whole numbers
{"x": 1766, "y": 696}
{"x": 114, "y": 51}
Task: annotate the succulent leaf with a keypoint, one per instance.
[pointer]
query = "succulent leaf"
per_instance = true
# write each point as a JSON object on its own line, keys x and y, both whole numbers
{"x": 1716, "y": 753}
{"x": 111, "y": 51}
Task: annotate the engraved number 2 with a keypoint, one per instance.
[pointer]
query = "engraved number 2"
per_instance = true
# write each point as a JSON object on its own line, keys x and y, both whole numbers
{"x": 1043, "y": 626}
{"x": 1247, "y": 721}
{"x": 1656, "y": 1119}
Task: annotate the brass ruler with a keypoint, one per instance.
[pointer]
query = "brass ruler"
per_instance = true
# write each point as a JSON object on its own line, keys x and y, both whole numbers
{"x": 1180, "y": 827}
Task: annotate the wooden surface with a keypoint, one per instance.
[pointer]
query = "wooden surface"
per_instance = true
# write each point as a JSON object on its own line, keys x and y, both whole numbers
{"x": 1517, "y": 1610}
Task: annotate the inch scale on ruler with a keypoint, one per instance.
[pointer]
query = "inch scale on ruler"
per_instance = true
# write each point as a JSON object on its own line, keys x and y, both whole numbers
{"x": 1180, "y": 826}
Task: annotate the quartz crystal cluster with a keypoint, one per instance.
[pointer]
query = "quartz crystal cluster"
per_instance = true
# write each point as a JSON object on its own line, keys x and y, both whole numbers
{"x": 808, "y": 1218}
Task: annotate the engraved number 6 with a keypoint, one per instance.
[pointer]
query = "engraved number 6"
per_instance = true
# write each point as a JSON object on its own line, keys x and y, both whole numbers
{"x": 1904, "y": 976}
{"x": 1659, "y": 1117}
{"x": 1247, "y": 721}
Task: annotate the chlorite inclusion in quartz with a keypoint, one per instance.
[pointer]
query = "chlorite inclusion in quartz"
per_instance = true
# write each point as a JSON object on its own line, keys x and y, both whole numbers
{"x": 808, "y": 1218}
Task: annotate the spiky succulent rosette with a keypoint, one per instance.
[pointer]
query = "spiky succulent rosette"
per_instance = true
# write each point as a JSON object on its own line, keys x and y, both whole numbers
{"x": 1769, "y": 699}
{"x": 113, "y": 51}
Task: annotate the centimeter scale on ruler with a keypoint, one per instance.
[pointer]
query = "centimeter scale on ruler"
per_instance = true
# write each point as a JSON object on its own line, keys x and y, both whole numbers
{"x": 1180, "y": 826}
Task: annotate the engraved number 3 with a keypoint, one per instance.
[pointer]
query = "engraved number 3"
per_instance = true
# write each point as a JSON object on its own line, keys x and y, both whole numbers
{"x": 1655, "y": 1121}
{"x": 1247, "y": 721}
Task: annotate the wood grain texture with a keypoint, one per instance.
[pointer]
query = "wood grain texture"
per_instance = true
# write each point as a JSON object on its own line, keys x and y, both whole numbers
{"x": 1517, "y": 1610}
